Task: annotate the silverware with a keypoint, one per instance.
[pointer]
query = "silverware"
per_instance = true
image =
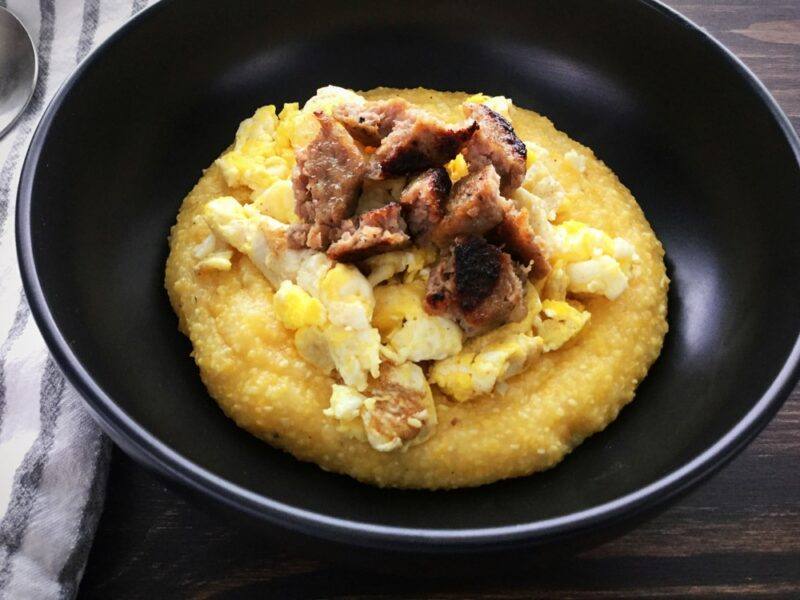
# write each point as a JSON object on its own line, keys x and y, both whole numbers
{"x": 18, "y": 69}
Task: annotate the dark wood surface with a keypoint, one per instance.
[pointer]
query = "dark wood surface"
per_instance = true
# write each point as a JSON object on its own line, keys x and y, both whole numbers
{"x": 737, "y": 535}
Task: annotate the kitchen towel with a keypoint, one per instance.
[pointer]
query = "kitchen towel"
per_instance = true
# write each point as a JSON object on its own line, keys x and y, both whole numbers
{"x": 53, "y": 458}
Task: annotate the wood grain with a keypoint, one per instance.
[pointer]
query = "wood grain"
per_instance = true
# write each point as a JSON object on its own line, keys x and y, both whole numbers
{"x": 736, "y": 536}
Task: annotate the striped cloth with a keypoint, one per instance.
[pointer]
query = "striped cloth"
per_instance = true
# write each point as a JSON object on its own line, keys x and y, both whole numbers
{"x": 53, "y": 458}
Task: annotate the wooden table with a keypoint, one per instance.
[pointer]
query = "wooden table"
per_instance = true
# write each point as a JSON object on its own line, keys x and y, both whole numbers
{"x": 738, "y": 535}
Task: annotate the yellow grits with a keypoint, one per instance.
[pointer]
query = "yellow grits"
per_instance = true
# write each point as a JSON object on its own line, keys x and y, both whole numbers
{"x": 249, "y": 363}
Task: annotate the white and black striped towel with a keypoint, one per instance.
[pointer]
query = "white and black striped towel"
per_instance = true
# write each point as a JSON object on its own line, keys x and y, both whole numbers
{"x": 53, "y": 458}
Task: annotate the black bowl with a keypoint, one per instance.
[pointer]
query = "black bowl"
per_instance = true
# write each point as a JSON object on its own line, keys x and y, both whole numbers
{"x": 703, "y": 147}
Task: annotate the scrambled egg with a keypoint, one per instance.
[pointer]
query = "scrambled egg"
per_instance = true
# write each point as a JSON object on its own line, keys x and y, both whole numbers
{"x": 554, "y": 287}
{"x": 540, "y": 195}
{"x": 348, "y": 340}
{"x": 546, "y": 188}
{"x": 411, "y": 332}
{"x": 396, "y": 410}
{"x": 296, "y": 308}
{"x": 277, "y": 201}
{"x": 346, "y": 403}
{"x": 258, "y": 159}
{"x": 539, "y": 215}
{"x": 355, "y": 353}
{"x": 396, "y": 302}
{"x": 474, "y": 372}
{"x": 348, "y": 297}
{"x": 312, "y": 346}
{"x": 312, "y": 271}
{"x": 383, "y": 267}
{"x": 258, "y": 236}
{"x": 584, "y": 260}
{"x": 426, "y": 338}
{"x": 577, "y": 241}
{"x": 594, "y": 262}
{"x": 563, "y": 321}
{"x": 212, "y": 254}
{"x": 493, "y": 357}
{"x": 601, "y": 275}
{"x": 339, "y": 292}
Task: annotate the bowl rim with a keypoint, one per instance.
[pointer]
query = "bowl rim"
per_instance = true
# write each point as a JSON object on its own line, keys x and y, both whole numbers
{"x": 147, "y": 448}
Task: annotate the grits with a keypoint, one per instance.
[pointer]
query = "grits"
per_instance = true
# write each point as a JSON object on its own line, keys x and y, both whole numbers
{"x": 249, "y": 362}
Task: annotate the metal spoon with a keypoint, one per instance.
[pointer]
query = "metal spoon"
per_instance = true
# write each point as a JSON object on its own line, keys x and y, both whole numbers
{"x": 18, "y": 69}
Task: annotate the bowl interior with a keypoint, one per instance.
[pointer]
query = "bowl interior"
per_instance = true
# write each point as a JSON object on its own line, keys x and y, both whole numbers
{"x": 667, "y": 111}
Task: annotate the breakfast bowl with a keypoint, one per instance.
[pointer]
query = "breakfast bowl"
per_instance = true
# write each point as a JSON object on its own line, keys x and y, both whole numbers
{"x": 706, "y": 151}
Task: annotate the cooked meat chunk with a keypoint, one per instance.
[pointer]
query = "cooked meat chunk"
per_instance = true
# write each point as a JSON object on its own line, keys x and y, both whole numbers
{"x": 408, "y": 138}
{"x": 402, "y": 412}
{"x": 440, "y": 296}
{"x": 379, "y": 230}
{"x": 297, "y": 235}
{"x": 477, "y": 285}
{"x": 370, "y": 122}
{"x": 397, "y": 414}
{"x": 496, "y": 143}
{"x": 327, "y": 179}
{"x": 419, "y": 141}
{"x": 316, "y": 236}
{"x": 424, "y": 199}
{"x": 474, "y": 207}
{"x": 516, "y": 236}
